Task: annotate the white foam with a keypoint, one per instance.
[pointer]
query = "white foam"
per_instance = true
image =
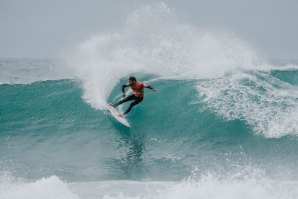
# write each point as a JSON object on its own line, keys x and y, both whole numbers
{"x": 208, "y": 187}
{"x": 45, "y": 188}
{"x": 153, "y": 41}
{"x": 269, "y": 105}
{"x": 212, "y": 188}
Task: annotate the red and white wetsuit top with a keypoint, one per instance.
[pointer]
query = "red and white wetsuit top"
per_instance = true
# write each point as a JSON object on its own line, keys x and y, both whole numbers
{"x": 138, "y": 89}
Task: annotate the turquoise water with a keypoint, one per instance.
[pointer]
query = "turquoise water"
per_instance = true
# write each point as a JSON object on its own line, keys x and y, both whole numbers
{"x": 179, "y": 132}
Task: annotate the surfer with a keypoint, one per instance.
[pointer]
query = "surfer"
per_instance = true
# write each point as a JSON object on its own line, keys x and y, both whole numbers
{"x": 138, "y": 93}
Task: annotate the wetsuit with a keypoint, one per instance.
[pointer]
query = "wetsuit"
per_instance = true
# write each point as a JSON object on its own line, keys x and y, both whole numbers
{"x": 137, "y": 96}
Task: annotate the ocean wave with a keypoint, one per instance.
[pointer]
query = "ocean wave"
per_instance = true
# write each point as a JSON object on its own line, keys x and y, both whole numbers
{"x": 267, "y": 102}
{"x": 207, "y": 187}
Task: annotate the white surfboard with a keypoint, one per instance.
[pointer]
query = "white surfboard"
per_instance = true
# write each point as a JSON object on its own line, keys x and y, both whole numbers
{"x": 115, "y": 113}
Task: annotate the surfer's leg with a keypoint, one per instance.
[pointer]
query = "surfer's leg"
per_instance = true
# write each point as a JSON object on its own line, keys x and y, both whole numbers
{"x": 129, "y": 98}
{"x": 137, "y": 100}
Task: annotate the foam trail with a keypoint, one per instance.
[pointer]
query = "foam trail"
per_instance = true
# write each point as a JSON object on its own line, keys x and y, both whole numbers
{"x": 153, "y": 42}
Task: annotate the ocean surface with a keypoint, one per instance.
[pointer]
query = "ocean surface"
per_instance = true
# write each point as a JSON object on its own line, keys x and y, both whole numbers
{"x": 223, "y": 124}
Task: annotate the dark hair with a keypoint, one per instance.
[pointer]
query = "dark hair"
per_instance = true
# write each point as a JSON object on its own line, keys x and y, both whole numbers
{"x": 132, "y": 78}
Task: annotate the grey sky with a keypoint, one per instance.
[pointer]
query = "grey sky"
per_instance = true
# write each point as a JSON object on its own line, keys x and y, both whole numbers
{"x": 41, "y": 28}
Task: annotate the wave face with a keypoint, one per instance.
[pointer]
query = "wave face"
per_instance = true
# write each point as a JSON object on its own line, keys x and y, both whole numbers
{"x": 48, "y": 129}
{"x": 222, "y": 118}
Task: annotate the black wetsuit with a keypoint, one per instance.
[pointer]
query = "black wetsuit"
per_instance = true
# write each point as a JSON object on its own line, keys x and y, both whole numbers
{"x": 137, "y": 99}
{"x": 129, "y": 98}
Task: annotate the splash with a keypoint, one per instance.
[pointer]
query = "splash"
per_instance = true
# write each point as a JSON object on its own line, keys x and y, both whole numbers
{"x": 153, "y": 41}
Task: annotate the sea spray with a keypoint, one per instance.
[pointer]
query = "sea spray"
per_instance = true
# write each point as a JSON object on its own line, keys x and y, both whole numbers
{"x": 152, "y": 41}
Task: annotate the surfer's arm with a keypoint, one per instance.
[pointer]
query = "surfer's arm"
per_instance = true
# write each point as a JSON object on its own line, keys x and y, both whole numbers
{"x": 150, "y": 87}
{"x": 123, "y": 91}
{"x": 123, "y": 86}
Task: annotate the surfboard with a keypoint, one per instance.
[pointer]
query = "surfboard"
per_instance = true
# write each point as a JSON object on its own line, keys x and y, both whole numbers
{"x": 115, "y": 114}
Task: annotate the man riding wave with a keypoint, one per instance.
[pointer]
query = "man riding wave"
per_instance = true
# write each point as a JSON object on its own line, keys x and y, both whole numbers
{"x": 138, "y": 93}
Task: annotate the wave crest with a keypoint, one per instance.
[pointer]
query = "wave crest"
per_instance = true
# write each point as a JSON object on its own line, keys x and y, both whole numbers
{"x": 153, "y": 41}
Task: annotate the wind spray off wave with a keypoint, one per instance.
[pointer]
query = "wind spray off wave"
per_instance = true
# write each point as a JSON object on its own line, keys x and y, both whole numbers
{"x": 152, "y": 41}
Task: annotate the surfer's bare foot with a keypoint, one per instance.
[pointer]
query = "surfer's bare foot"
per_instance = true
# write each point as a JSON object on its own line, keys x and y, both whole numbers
{"x": 121, "y": 115}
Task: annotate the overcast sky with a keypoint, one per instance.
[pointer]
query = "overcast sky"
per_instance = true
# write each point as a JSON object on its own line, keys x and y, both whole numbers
{"x": 41, "y": 28}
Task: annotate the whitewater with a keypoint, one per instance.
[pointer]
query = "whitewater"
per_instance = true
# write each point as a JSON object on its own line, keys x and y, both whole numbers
{"x": 223, "y": 124}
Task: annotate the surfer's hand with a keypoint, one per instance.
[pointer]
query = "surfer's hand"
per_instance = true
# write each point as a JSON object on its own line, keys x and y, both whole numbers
{"x": 154, "y": 89}
{"x": 123, "y": 95}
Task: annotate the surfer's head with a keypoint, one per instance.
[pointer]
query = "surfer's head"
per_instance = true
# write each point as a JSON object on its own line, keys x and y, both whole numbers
{"x": 132, "y": 80}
